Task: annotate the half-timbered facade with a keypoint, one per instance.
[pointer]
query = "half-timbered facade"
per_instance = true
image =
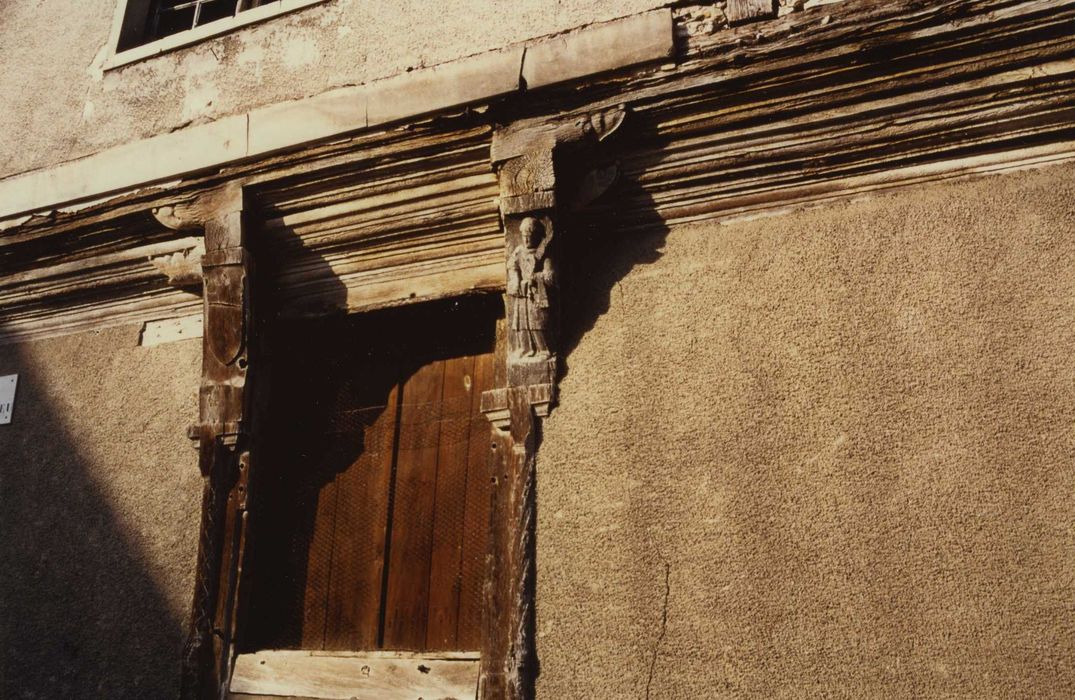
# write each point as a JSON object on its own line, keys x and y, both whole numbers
{"x": 616, "y": 351}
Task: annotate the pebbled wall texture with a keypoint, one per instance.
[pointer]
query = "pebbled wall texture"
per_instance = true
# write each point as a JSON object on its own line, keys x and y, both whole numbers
{"x": 99, "y": 499}
{"x": 830, "y": 454}
{"x": 86, "y": 109}
{"x": 827, "y": 454}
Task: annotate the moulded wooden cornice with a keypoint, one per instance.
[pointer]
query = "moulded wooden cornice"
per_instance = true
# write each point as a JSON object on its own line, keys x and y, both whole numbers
{"x": 103, "y": 273}
{"x": 845, "y": 99}
{"x": 831, "y": 43}
{"x": 414, "y": 224}
{"x": 802, "y": 110}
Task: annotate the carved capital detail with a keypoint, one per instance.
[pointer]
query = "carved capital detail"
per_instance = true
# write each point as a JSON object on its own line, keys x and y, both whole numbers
{"x": 545, "y": 172}
{"x": 193, "y": 213}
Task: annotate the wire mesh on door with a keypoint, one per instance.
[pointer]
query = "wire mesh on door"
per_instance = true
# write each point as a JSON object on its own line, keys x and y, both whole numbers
{"x": 373, "y": 516}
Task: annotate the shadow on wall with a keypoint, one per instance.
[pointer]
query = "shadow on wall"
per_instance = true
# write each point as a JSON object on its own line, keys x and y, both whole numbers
{"x": 604, "y": 243}
{"x": 82, "y": 608}
{"x": 95, "y": 469}
{"x": 607, "y": 241}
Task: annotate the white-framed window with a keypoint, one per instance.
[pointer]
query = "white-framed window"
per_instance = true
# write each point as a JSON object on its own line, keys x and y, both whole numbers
{"x": 144, "y": 28}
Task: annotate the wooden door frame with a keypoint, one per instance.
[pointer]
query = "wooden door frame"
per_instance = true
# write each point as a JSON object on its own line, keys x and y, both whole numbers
{"x": 543, "y": 172}
{"x": 223, "y": 431}
{"x": 541, "y": 166}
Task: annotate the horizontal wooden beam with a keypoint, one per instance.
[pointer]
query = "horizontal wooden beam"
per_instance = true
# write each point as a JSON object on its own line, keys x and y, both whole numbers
{"x": 356, "y": 675}
{"x": 782, "y": 113}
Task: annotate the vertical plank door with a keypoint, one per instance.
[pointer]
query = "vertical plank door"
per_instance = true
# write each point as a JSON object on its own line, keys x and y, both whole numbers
{"x": 411, "y": 527}
{"x": 375, "y": 517}
{"x": 449, "y": 510}
{"x": 357, "y": 569}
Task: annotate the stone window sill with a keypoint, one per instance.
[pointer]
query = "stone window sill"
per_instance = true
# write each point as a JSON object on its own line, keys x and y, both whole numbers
{"x": 206, "y": 31}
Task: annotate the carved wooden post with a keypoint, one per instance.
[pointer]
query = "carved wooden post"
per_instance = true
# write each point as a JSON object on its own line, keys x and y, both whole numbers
{"x": 222, "y": 435}
{"x": 539, "y": 166}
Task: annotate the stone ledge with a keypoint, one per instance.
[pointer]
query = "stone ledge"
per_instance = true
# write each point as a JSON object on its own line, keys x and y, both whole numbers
{"x": 151, "y": 160}
{"x": 476, "y": 79}
{"x": 282, "y": 125}
{"x": 600, "y": 48}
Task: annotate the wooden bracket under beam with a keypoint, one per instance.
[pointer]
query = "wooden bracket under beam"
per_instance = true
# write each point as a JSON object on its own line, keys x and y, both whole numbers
{"x": 544, "y": 171}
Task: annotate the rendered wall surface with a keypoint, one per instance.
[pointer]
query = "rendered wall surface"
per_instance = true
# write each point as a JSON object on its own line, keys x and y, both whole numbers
{"x": 53, "y": 54}
{"x": 99, "y": 499}
{"x": 828, "y": 454}
{"x": 824, "y": 454}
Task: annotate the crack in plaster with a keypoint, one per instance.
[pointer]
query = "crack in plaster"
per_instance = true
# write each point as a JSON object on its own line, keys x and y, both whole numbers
{"x": 664, "y": 624}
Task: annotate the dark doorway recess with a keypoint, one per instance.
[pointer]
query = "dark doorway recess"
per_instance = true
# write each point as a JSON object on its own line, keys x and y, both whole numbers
{"x": 371, "y": 506}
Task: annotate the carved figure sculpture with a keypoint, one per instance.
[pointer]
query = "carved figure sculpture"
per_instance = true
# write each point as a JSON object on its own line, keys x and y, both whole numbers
{"x": 531, "y": 277}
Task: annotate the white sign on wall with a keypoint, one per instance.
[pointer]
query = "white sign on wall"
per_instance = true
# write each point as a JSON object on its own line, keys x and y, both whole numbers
{"x": 7, "y": 397}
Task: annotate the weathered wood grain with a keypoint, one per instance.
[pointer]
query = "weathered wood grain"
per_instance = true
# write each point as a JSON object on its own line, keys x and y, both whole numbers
{"x": 740, "y": 11}
{"x": 318, "y": 567}
{"x": 449, "y": 505}
{"x": 782, "y": 112}
{"x": 397, "y": 236}
{"x": 356, "y": 676}
{"x": 407, "y": 592}
{"x": 222, "y": 435}
{"x": 385, "y": 440}
{"x": 359, "y": 538}
{"x": 475, "y": 523}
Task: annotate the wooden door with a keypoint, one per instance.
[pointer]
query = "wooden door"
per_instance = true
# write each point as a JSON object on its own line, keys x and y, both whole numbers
{"x": 371, "y": 525}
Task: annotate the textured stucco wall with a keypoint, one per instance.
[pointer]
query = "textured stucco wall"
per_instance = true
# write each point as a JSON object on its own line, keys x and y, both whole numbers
{"x": 825, "y": 454}
{"x": 822, "y": 455}
{"x": 99, "y": 497}
{"x": 61, "y": 105}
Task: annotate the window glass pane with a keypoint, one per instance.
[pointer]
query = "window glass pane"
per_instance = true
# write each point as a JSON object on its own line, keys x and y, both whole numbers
{"x": 149, "y": 20}
{"x": 215, "y": 9}
{"x": 171, "y": 20}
